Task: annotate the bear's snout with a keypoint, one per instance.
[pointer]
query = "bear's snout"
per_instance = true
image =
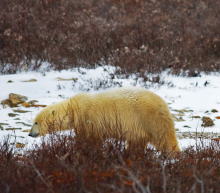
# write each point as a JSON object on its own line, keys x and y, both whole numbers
{"x": 34, "y": 131}
{"x": 33, "y": 134}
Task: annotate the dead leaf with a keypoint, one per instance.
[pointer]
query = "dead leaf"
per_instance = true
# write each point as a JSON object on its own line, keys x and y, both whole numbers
{"x": 67, "y": 79}
{"x": 196, "y": 117}
{"x": 25, "y": 104}
{"x": 13, "y": 128}
{"x": 38, "y": 105}
{"x": 20, "y": 111}
{"x": 183, "y": 110}
{"x": 128, "y": 182}
{"x": 32, "y": 104}
{"x": 26, "y": 130}
{"x": 30, "y": 80}
{"x": 128, "y": 162}
{"x": 20, "y": 145}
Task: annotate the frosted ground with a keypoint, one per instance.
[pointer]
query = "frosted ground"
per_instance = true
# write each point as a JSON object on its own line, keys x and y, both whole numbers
{"x": 189, "y": 99}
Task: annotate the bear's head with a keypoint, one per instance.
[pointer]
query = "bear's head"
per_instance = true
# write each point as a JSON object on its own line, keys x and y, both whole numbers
{"x": 39, "y": 127}
{"x": 51, "y": 119}
{"x": 35, "y": 130}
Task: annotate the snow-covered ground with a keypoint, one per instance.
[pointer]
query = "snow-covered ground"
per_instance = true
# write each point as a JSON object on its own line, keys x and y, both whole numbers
{"x": 189, "y": 99}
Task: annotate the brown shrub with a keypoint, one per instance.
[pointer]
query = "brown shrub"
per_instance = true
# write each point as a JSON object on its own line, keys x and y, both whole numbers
{"x": 73, "y": 164}
{"x": 137, "y": 35}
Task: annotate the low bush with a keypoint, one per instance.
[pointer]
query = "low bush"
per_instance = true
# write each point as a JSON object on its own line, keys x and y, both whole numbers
{"x": 75, "y": 164}
{"x": 137, "y": 35}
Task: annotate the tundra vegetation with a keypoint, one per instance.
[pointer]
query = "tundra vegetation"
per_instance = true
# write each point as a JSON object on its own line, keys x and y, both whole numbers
{"x": 79, "y": 164}
{"x": 137, "y": 35}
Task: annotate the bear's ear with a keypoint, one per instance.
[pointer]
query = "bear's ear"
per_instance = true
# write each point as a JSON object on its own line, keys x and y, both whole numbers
{"x": 53, "y": 113}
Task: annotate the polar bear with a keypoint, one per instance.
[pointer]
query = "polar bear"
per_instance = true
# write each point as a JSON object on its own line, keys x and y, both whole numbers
{"x": 134, "y": 113}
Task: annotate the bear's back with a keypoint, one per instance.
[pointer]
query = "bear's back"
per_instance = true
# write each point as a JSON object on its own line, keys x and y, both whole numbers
{"x": 129, "y": 95}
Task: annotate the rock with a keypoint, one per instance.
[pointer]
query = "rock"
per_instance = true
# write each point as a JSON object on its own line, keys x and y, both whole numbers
{"x": 14, "y": 100}
{"x": 10, "y": 81}
{"x": 17, "y": 99}
{"x": 12, "y": 114}
{"x": 207, "y": 122}
{"x": 7, "y": 102}
{"x": 214, "y": 110}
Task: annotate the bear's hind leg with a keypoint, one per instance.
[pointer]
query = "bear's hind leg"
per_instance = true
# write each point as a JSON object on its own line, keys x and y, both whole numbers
{"x": 165, "y": 140}
{"x": 168, "y": 143}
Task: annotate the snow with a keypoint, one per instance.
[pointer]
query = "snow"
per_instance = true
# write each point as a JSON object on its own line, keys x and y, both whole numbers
{"x": 186, "y": 96}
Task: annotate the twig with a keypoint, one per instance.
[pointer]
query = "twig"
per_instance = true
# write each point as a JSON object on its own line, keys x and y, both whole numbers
{"x": 41, "y": 177}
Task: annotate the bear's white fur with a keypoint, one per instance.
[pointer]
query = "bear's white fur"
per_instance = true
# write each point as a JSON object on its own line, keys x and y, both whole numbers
{"x": 137, "y": 115}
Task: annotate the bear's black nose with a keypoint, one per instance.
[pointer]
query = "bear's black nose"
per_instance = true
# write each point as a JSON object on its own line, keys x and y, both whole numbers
{"x": 33, "y": 134}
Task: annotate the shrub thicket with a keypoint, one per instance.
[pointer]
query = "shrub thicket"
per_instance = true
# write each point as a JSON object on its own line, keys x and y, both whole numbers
{"x": 67, "y": 164}
{"x": 137, "y": 35}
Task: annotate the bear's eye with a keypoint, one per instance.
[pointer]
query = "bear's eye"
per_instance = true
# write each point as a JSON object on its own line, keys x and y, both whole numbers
{"x": 35, "y": 123}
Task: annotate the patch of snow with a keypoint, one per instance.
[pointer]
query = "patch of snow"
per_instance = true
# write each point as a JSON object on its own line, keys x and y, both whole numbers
{"x": 195, "y": 96}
